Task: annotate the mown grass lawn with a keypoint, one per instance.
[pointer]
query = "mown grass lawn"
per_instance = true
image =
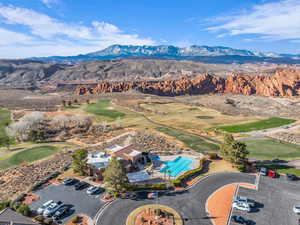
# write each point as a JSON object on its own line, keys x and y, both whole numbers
{"x": 258, "y": 125}
{"x": 4, "y": 120}
{"x": 102, "y": 109}
{"x": 27, "y": 156}
{"x": 190, "y": 140}
{"x": 271, "y": 149}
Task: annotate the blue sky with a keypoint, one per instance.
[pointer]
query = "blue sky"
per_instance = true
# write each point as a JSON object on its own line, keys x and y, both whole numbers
{"x": 70, "y": 27}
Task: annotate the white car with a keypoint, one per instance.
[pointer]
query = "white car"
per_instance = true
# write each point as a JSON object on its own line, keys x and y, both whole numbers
{"x": 241, "y": 206}
{"x": 52, "y": 208}
{"x": 296, "y": 209}
{"x": 44, "y": 206}
{"x": 242, "y": 199}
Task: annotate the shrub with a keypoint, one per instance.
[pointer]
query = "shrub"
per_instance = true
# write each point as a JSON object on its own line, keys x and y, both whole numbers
{"x": 48, "y": 221}
{"x": 157, "y": 212}
{"x": 75, "y": 219}
{"x": 39, "y": 218}
{"x": 24, "y": 210}
{"x": 160, "y": 186}
{"x": 4, "y": 205}
{"x": 213, "y": 155}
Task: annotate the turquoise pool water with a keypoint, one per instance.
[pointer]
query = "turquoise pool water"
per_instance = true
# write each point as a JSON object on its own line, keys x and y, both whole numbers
{"x": 177, "y": 166}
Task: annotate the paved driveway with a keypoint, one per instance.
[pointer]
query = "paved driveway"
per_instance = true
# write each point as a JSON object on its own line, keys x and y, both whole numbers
{"x": 78, "y": 200}
{"x": 190, "y": 204}
{"x": 276, "y": 198}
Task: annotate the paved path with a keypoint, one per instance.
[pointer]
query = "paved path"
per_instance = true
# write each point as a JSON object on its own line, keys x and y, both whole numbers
{"x": 190, "y": 204}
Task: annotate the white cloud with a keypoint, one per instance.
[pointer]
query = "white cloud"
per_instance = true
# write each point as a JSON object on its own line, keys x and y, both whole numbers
{"x": 276, "y": 20}
{"x": 10, "y": 37}
{"x": 49, "y": 3}
{"x": 45, "y": 32}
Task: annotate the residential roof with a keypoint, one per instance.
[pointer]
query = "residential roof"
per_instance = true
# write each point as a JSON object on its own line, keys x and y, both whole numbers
{"x": 127, "y": 152}
{"x": 8, "y": 216}
{"x": 98, "y": 159}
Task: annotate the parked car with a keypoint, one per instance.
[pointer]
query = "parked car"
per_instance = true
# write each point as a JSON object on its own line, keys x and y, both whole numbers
{"x": 272, "y": 174}
{"x": 70, "y": 181}
{"x": 152, "y": 195}
{"x": 241, "y": 220}
{"x": 52, "y": 208}
{"x": 277, "y": 161}
{"x": 242, "y": 199}
{"x": 263, "y": 171}
{"x": 44, "y": 206}
{"x": 129, "y": 195}
{"x": 94, "y": 189}
{"x": 291, "y": 177}
{"x": 60, "y": 212}
{"x": 241, "y": 206}
{"x": 296, "y": 209}
{"x": 81, "y": 185}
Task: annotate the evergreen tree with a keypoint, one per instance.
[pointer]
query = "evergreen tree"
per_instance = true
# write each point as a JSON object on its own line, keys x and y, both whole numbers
{"x": 80, "y": 162}
{"x": 6, "y": 141}
{"x": 115, "y": 177}
{"x": 235, "y": 152}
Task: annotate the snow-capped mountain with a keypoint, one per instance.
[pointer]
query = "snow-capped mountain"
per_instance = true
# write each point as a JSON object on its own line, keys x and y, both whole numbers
{"x": 216, "y": 54}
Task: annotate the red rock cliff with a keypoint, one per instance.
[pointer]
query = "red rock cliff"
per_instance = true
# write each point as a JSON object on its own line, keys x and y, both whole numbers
{"x": 283, "y": 83}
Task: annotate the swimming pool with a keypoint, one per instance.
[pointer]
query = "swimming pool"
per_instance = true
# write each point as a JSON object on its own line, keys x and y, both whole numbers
{"x": 177, "y": 166}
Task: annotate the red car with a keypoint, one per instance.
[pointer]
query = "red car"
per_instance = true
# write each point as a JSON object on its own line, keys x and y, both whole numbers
{"x": 272, "y": 174}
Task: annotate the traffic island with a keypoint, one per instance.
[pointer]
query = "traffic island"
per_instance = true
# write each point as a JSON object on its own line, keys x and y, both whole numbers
{"x": 154, "y": 214}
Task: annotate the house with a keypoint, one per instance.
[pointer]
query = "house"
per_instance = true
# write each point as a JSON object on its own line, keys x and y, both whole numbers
{"x": 10, "y": 217}
{"x": 131, "y": 157}
{"x": 98, "y": 162}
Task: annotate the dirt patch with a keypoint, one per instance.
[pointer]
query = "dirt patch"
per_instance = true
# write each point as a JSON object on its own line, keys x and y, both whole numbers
{"x": 82, "y": 220}
{"x": 30, "y": 197}
{"x": 219, "y": 204}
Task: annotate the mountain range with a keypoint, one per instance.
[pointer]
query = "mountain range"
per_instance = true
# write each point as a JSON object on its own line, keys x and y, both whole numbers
{"x": 217, "y": 54}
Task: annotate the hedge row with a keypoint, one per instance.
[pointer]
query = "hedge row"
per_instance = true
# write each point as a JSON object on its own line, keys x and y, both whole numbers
{"x": 179, "y": 180}
{"x": 160, "y": 186}
{"x": 45, "y": 180}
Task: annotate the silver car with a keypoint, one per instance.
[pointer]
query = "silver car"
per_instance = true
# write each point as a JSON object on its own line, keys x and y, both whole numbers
{"x": 44, "y": 206}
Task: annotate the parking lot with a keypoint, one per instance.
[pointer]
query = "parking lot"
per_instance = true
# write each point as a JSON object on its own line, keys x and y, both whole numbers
{"x": 79, "y": 201}
{"x": 276, "y": 198}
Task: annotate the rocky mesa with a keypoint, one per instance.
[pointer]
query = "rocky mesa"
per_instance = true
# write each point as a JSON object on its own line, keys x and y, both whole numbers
{"x": 283, "y": 83}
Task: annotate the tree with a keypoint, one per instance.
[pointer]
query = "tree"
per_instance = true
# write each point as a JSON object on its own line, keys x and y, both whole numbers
{"x": 115, "y": 177}
{"x": 37, "y": 135}
{"x": 80, "y": 162}
{"x": 24, "y": 210}
{"x": 235, "y": 152}
{"x": 6, "y": 141}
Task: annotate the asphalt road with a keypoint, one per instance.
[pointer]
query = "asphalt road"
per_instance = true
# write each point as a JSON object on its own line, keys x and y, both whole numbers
{"x": 276, "y": 198}
{"x": 79, "y": 201}
{"x": 189, "y": 204}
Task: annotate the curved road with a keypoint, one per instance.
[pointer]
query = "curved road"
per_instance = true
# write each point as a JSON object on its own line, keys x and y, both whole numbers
{"x": 190, "y": 204}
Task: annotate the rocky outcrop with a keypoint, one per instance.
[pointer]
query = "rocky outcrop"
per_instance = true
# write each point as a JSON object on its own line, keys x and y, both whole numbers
{"x": 284, "y": 83}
